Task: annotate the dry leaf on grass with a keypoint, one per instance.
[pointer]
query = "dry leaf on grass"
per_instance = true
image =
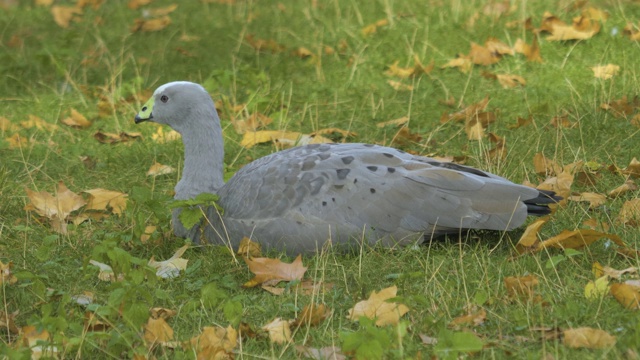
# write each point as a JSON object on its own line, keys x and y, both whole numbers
{"x": 596, "y": 289}
{"x": 56, "y": 208}
{"x": 76, "y": 120}
{"x": 63, "y": 15}
{"x": 157, "y": 331}
{"x": 593, "y": 199}
{"x": 523, "y": 288}
{"x": 214, "y": 343}
{"x": 576, "y": 239}
{"x": 628, "y": 185}
{"x": 103, "y": 200}
{"x": 373, "y": 28}
{"x": 38, "y": 123}
{"x": 627, "y": 295}
{"x": 170, "y": 268}
{"x": 622, "y": 107}
{"x": 158, "y": 169}
{"x": 605, "y": 72}
{"x": 251, "y": 123}
{"x": 463, "y": 63}
{"x": 312, "y": 315}
{"x": 281, "y": 138}
{"x": 399, "y": 86}
{"x": 161, "y": 137}
{"x": 93, "y": 323}
{"x": 376, "y": 307}
{"x": 589, "y": 338}
{"x": 511, "y": 81}
{"x": 32, "y": 337}
{"x": 6, "y": 275}
{"x": 545, "y": 166}
{"x": 150, "y": 25}
{"x": 395, "y": 122}
{"x": 111, "y": 138}
{"x": 531, "y": 52}
{"x": 328, "y": 353}
{"x": 272, "y": 271}
{"x": 472, "y": 318}
{"x": 633, "y": 169}
{"x": 249, "y": 248}
{"x": 529, "y": 239}
{"x": 279, "y": 330}
{"x": 630, "y": 213}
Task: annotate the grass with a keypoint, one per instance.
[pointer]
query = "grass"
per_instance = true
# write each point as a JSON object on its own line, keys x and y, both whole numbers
{"x": 48, "y": 70}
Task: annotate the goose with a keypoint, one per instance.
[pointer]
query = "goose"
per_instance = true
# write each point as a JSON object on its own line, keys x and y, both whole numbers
{"x": 348, "y": 194}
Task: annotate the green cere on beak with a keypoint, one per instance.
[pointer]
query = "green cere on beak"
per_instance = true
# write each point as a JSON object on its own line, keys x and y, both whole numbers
{"x": 146, "y": 111}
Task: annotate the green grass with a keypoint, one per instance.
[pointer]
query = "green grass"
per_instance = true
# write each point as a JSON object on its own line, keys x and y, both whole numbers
{"x": 47, "y": 70}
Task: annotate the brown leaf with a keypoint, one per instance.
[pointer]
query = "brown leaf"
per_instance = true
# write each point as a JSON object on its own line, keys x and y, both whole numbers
{"x": 627, "y": 295}
{"x": 161, "y": 137}
{"x": 310, "y": 287}
{"x": 103, "y": 200}
{"x": 158, "y": 169}
{"x": 312, "y": 315}
{"x": 605, "y": 71}
{"x": 343, "y": 133}
{"x": 572, "y": 32}
{"x": 264, "y": 45}
{"x": 589, "y": 338}
{"x": 215, "y": 343}
{"x": 328, "y": 353}
{"x": 396, "y": 122}
{"x": 281, "y": 138}
{"x": 134, "y": 4}
{"x": 630, "y": 213}
{"x": 577, "y": 239}
{"x": 399, "y": 86}
{"x": 150, "y": 25}
{"x": 529, "y": 238}
{"x": 472, "y": 318}
{"x": 76, "y": 120}
{"x": 545, "y": 166}
{"x": 632, "y": 32}
{"x": 628, "y": 185}
{"x": 8, "y": 321}
{"x": 497, "y": 47}
{"x": 272, "y": 271}
{"x": 474, "y": 129}
{"x": 562, "y": 121}
{"x": 633, "y": 169}
{"x": 252, "y": 123}
{"x": 373, "y": 28}
{"x": 38, "y": 123}
{"x": 523, "y": 288}
{"x": 481, "y": 55}
{"x": 162, "y": 11}
{"x": 376, "y": 307}
{"x": 531, "y": 52}
{"x": 511, "y": 81}
{"x": 279, "y": 330}
{"x": 404, "y": 137}
{"x": 594, "y": 199}
{"x": 6, "y": 125}
{"x": 463, "y": 63}
{"x": 156, "y": 331}
{"x": 249, "y": 248}
{"x": 594, "y": 224}
{"x": 92, "y": 323}
{"x": 56, "y": 208}
{"x": 622, "y": 107}
{"x": 6, "y": 276}
{"x": 560, "y": 184}
{"x": 63, "y": 15}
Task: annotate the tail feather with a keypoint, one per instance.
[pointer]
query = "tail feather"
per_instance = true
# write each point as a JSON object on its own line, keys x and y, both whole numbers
{"x": 539, "y": 205}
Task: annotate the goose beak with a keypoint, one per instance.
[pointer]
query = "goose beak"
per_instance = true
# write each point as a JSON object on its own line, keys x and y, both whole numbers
{"x": 146, "y": 112}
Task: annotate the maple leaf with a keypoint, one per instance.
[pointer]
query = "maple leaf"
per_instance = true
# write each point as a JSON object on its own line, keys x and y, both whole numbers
{"x": 376, "y": 307}
{"x": 312, "y": 315}
{"x": 589, "y": 338}
{"x": 605, "y": 71}
{"x": 76, "y": 120}
{"x": 249, "y": 248}
{"x": 170, "y": 268}
{"x": 6, "y": 276}
{"x": 158, "y": 169}
{"x": 272, "y": 271}
{"x": 102, "y": 200}
{"x": 630, "y": 213}
{"x": 279, "y": 330}
{"x": 594, "y": 199}
{"x": 150, "y": 25}
{"x": 214, "y": 343}
{"x": 63, "y": 15}
{"x": 56, "y": 208}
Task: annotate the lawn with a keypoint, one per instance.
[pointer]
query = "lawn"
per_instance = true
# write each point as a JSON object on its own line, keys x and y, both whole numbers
{"x": 532, "y": 105}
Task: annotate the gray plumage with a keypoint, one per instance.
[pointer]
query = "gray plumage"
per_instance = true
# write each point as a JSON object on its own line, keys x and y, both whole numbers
{"x": 297, "y": 199}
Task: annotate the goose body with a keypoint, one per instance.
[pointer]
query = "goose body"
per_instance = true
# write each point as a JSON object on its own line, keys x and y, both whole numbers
{"x": 297, "y": 199}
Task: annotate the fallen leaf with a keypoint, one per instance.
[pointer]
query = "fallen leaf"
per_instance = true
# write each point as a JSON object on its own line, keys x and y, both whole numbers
{"x": 303, "y": 53}
{"x": 415, "y": 70}
{"x": 576, "y": 239}
{"x": 106, "y": 272}
{"x": 594, "y": 224}
{"x": 111, "y": 138}
{"x": 103, "y": 200}
{"x": 56, "y": 208}
{"x": 397, "y": 85}
{"x": 8, "y": 321}
{"x": 472, "y": 318}
{"x": 328, "y": 353}
{"x": 373, "y": 28}
{"x": 589, "y": 338}
{"x": 627, "y": 295}
{"x": 279, "y": 330}
{"x": 6, "y": 275}
{"x": 162, "y": 11}
{"x": 264, "y": 45}
{"x": 215, "y": 343}
{"x": 76, "y": 120}
{"x": 545, "y": 166}
{"x": 272, "y": 271}
{"x": 6, "y": 125}
{"x": 630, "y": 213}
{"x": 472, "y": 111}
{"x": 158, "y": 169}
{"x": 529, "y": 238}
{"x": 481, "y": 55}
{"x": 511, "y": 81}
{"x": 281, "y": 138}
{"x": 134, "y": 4}
{"x": 377, "y": 308}
{"x": 38, "y": 123}
{"x": 63, "y": 15}
{"x": 523, "y": 288}
{"x": 463, "y": 63}
{"x": 560, "y": 184}
{"x": 249, "y": 248}
{"x": 474, "y": 130}
{"x": 404, "y": 137}
{"x": 156, "y": 331}
{"x": 622, "y": 107}
{"x": 596, "y": 290}
{"x": 633, "y": 169}
{"x": 312, "y": 315}
{"x": 150, "y": 25}
{"x": 161, "y": 137}
{"x": 170, "y": 268}
{"x": 531, "y": 52}
{"x": 617, "y": 274}
{"x": 251, "y": 124}
{"x": 632, "y": 32}
{"x": 32, "y": 337}
{"x": 605, "y": 71}
{"x": 326, "y": 131}
{"x": 562, "y": 121}
{"x": 311, "y": 287}
{"x": 396, "y": 122}
{"x": 593, "y": 199}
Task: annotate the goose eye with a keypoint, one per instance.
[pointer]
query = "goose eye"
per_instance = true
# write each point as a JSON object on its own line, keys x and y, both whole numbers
{"x": 164, "y": 98}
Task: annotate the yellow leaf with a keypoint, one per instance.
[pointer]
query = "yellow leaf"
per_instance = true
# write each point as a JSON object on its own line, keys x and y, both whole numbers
{"x": 215, "y": 343}
{"x": 134, "y": 4}
{"x": 522, "y": 287}
{"x": 251, "y": 124}
{"x": 530, "y": 236}
{"x": 312, "y": 315}
{"x": 373, "y": 28}
{"x": 76, "y": 120}
{"x": 159, "y": 169}
{"x": 569, "y": 32}
{"x": 605, "y": 71}
{"x": 63, "y": 15}
{"x": 593, "y": 199}
{"x": 38, "y": 123}
{"x": 150, "y": 25}
{"x": 249, "y": 248}
{"x": 630, "y": 213}
{"x": 511, "y": 81}
{"x": 170, "y": 268}
{"x": 577, "y": 239}
{"x": 279, "y": 330}
{"x": 376, "y": 307}
{"x": 588, "y": 338}
{"x": 156, "y": 331}
{"x": 6, "y": 276}
{"x": 160, "y": 312}
{"x": 396, "y": 122}
{"x": 57, "y": 208}
{"x": 148, "y": 231}
{"x": 6, "y": 125}
{"x": 474, "y": 130}
{"x": 281, "y": 138}
{"x": 474, "y": 318}
{"x": 463, "y": 63}
{"x": 17, "y": 142}
{"x": 343, "y": 133}
{"x": 397, "y": 85}
{"x": 158, "y": 12}
{"x": 597, "y": 289}
{"x": 481, "y": 55}
{"x": 102, "y": 200}
{"x": 272, "y": 271}
{"x": 627, "y": 295}
{"x": 161, "y": 137}
{"x": 628, "y": 185}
